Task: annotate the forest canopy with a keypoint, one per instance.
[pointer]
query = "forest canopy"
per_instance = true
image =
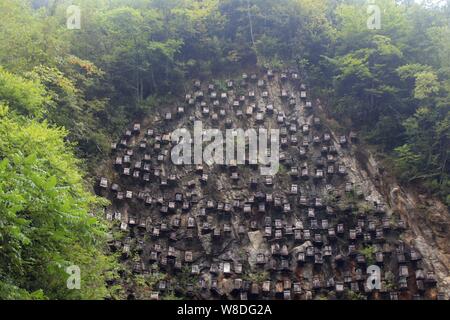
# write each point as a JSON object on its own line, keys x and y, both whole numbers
{"x": 65, "y": 94}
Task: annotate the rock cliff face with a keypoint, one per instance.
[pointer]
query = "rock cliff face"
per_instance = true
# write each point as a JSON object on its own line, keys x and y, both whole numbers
{"x": 427, "y": 219}
{"x": 310, "y": 231}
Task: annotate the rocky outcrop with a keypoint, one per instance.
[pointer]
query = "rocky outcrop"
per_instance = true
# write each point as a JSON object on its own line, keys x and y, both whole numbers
{"x": 310, "y": 231}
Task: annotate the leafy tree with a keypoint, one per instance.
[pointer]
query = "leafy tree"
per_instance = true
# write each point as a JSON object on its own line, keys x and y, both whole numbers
{"x": 48, "y": 219}
{"x": 25, "y": 97}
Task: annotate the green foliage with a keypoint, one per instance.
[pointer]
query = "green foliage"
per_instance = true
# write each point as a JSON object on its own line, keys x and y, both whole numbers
{"x": 23, "y": 96}
{"x": 369, "y": 254}
{"x": 170, "y": 296}
{"x": 364, "y": 207}
{"x": 48, "y": 219}
{"x": 406, "y": 159}
{"x": 351, "y": 295}
{"x": 393, "y": 84}
{"x": 28, "y": 37}
{"x": 256, "y": 277}
{"x": 144, "y": 284}
{"x": 185, "y": 277}
{"x": 282, "y": 169}
{"x": 389, "y": 281}
{"x": 70, "y": 105}
{"x": 427, "y": 84}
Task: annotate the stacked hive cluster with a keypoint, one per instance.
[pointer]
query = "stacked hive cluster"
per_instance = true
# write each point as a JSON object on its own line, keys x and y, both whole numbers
{"x": 225, "y": 231}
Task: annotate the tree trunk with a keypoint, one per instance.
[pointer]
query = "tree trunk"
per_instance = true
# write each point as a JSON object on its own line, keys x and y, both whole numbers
{"x": 250, "y": 23}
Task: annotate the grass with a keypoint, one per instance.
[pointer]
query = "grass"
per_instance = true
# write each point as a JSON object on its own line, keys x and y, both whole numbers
{"x": 257, "y": 277}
